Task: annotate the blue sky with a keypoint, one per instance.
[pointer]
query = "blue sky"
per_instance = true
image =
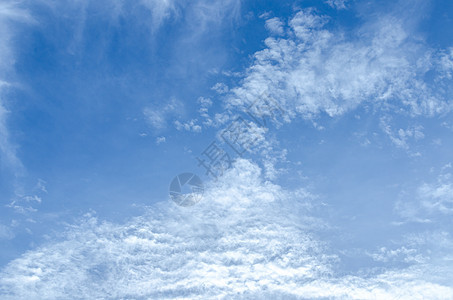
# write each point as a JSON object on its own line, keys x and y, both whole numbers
{"x": 346, "y": 192}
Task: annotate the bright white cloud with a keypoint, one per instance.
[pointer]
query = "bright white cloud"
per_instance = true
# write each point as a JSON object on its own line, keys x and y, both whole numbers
{"x": 246, "y": 238}
{"x": 314, "y": 70}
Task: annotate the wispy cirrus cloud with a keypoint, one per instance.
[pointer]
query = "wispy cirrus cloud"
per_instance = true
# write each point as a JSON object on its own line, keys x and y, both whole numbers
{"x": 11, "y": 16}
{"x": 428, "y": 201}
{"x": 438, "y": 196}
{"x": 158, "y": 116}
{"x": 401, "y": 137}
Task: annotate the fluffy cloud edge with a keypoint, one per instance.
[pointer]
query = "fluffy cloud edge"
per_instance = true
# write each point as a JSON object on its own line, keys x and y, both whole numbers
{"x": 247, "y": 238}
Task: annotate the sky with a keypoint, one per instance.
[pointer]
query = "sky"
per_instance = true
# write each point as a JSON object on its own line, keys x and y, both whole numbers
{"x": 317, "y": 137}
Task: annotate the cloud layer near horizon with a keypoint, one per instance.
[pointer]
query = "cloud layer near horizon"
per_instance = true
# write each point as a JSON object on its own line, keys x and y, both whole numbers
{"x": 246, "y": 239}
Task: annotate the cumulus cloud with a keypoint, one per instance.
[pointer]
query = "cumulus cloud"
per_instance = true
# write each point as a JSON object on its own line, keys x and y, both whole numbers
{"x": 247, "y": 238}
{"x": 314, "y": 70}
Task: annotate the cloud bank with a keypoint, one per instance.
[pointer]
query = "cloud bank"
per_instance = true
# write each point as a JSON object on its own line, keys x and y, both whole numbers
{"x": 247, "y": 239}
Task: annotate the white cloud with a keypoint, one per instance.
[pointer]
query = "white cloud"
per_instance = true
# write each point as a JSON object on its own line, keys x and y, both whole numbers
{"x": 7, "y": 150}
{"x": 403, "y": 254}
{"x": 314, "y": 70}
{"x": 438, "y": 196}
{"x": 25, "y": 204}
{"x": 429, "y": 200}
{"x": 160, "y": 140}
{"x": 205, "y": 104}
{"x": 220, "y": 88}
{"x": 275, "y": 26}
{"x": 188, "y": 126}
{"x": 158, "y": 117}
{"x": 204, "y": 15}
{"x": 41, "y": 186}
{"x": 246, "y": 239}
{"x": 160, "y": 10}
{"x": 446, "y": 62}
{"x": 11, "y": 15}
{"x": 157, "y": 10}
{"x": 401, "y": 137}
{"x": 338, "y": 4}
{"x": 155, "y": 118}
{"x": 5, "y": 232}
